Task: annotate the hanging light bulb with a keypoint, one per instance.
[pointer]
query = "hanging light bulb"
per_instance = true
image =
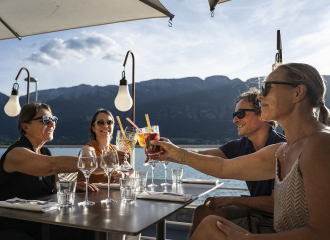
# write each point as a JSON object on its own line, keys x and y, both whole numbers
{"x": 123, "y": 101}
{"x": 12, "y": 108}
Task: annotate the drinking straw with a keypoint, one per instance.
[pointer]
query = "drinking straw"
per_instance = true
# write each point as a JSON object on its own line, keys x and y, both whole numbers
{"x": 133, "y": 124}
{"x": 121, "y": 127}
{"x": 148, "y": 122}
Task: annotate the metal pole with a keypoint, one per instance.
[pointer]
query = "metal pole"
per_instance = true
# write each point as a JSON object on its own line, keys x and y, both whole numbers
{"x": 132, "y": 155}
{"x": 28, "y": 84}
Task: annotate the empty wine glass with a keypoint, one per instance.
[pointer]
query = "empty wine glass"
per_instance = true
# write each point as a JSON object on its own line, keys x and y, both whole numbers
{"x": 87, "y": 163}
{"x": 109, "y": 163}
{"x": 165, "y": 163}
{"x": 152, "y": 150}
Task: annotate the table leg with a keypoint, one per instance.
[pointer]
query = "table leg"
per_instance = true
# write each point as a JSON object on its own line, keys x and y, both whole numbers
{"x": 161, "y": 230}
{"x": 100, "y": 235}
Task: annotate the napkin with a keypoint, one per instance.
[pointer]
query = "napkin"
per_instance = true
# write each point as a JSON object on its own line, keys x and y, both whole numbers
{"x": 205, "y": 181}
{"x": 172, "y": 197}
{"x": 105, "y": 185}
{"x": 31, "y": 206}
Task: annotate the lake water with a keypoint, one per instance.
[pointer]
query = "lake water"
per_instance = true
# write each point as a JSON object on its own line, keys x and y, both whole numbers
{"x": 188, "y": 172}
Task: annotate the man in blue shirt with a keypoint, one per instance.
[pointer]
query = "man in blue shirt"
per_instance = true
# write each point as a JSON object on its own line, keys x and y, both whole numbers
{"x": 256, "y": 134}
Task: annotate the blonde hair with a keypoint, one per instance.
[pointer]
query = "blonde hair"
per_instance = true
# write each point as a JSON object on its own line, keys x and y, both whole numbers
{"x": 307, "y": 75}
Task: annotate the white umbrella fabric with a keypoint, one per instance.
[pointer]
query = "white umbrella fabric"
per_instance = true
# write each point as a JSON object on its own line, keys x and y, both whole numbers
{"x": 22, "y": 18}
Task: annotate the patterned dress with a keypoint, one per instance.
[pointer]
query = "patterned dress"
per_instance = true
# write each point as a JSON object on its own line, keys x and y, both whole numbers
{"x": 291, "y": 209}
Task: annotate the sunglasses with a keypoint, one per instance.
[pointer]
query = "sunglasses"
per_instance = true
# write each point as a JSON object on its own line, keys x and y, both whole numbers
{"x": 47, "y": 119}
{"x": 100, "y": 122}
{"x": 241, "y": 113}
{"x": 266, "y": 86}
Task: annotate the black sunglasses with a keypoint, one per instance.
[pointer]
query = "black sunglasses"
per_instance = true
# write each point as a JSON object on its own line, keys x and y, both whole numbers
{"x": 101, "y": 122}
{"x": 47, "y": 119}
{"x": 241, "y": 113}
{"x": 266, "y": 86}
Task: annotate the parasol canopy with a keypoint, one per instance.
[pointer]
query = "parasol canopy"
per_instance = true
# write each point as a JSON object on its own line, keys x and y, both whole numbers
{"x": 20, "y": 18}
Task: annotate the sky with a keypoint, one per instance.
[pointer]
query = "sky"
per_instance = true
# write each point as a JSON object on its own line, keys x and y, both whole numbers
{"x": 238, "y": 42}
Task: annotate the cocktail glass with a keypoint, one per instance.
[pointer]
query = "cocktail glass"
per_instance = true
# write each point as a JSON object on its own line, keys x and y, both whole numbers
{"x": 152, "y": 150}
{"x": 87, "y": 163}
{"x": 109, "y": 163}
{"x": 126, "y": 145}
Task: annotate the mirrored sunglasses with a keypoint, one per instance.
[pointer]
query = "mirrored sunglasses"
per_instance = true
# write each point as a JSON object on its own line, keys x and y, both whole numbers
{"x": 266, "y": 86}
{"x": 47, "y": 119}
{"x": 100, "y": 122}
{"x": 241, "y": 113}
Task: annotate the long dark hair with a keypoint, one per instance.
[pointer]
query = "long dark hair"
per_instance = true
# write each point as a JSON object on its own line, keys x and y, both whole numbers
{"x": 92, "y": 135}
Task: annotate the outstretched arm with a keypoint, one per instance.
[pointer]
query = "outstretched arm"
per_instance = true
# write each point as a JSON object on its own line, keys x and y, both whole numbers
{"x": 252, "y": 167}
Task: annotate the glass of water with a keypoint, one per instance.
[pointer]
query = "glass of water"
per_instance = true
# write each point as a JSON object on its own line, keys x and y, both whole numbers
{"x": 66, "y": 193}
{"x": 127, "y": 189}
{"x": 177, "y": 175}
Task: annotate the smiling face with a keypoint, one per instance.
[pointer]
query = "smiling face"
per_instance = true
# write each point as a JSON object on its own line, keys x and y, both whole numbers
{"x": 37, "y": 130}
{"x": 250, "y": 123}
{"x": 102, "y": 130}
{"x": 280, "y": 99}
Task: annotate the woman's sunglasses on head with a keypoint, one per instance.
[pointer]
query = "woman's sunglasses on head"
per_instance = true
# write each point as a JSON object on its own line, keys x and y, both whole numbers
{"x": 266, "y": 86}
{"x": 241, "y": 113}
{"x": 47, "y": 119}
{"x": 101, "y": 122}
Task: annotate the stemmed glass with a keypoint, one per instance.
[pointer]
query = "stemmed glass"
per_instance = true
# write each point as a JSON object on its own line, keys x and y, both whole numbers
{"x": 109, "y": 163}
{"x": 165, "y": 163}
{"x": 126, "y": 145}
{"x": 152, "y": 150}
{"x": 87, "y": 163}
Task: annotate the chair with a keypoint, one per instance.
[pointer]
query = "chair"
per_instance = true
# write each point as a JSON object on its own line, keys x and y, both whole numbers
{"x": 251, "y": 213}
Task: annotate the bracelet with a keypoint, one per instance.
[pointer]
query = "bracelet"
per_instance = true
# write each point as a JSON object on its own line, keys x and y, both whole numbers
{"x": 184, "y": 157}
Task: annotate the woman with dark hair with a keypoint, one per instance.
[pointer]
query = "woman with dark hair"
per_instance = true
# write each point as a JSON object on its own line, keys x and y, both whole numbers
{"x": 290, "y": 95}
{"x": 27, "y": 171}
{"x": 100, "y": 134}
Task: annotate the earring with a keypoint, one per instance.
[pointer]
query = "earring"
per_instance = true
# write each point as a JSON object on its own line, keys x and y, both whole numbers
{"x": 295, "y": 100}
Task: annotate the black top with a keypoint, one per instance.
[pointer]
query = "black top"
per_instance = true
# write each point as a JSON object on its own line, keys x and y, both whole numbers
{"x": 244, "y": 146}
{"x": 22, "y": 185}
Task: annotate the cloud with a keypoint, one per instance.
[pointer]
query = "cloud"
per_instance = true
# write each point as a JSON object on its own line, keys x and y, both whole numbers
{"x": 55, "y": 51}
{"x": 42, "y": 59}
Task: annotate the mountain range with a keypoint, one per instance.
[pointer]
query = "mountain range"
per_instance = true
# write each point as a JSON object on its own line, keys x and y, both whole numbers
{"x": 189, "y": 111}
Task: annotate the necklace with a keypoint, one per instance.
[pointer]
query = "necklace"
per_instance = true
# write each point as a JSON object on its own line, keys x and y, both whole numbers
{"x": 286, "y": 150}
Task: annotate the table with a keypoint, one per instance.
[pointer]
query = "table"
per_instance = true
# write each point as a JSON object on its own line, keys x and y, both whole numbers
{"x": 126, "y": 218}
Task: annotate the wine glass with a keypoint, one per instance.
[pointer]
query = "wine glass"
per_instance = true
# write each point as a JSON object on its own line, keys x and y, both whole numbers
{"x": 152, "y": 150}
{"x": 87, "y": 163}
{"x": 165, "y": 163}
{"x": 109, "y": 163}
{"x": 126, "y": 145}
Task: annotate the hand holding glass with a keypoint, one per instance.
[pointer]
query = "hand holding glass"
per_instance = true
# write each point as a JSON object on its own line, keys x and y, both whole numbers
{"x": 126, "y": 145}
{"x": 152, "y": 150}
{"x": 87, "y": 163}
{"x": 109, "y": 163}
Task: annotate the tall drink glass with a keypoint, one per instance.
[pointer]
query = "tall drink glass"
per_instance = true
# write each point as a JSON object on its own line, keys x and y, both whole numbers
{"x": 87, "y": 163}
{"x": 152, "y": 150}
{"x": 109, "y": 163}
{"x": 126, "y": 145}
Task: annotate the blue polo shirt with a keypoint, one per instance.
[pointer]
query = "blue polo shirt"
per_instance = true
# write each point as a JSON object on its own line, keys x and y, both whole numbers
{"x": 244, "y": 146}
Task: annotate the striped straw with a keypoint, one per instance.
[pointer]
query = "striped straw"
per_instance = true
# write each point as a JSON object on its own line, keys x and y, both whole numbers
{"x": 121, "y": 127}
{"x": 133, "y": 124}
{"x": 148, "y": 122}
